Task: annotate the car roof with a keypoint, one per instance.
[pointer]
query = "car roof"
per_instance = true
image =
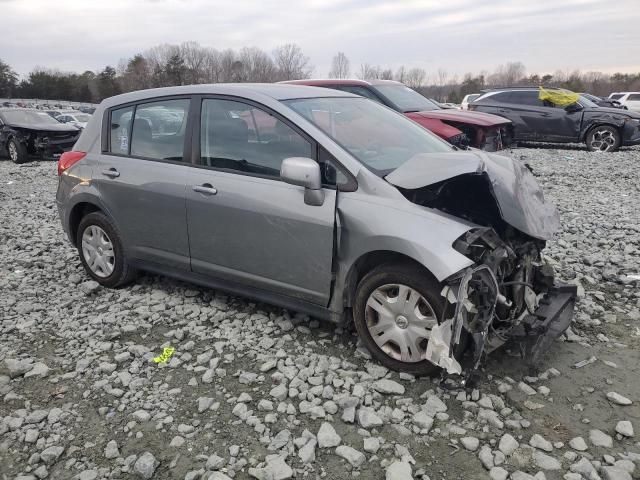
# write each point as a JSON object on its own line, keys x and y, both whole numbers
{"x": 340, "y": 81}
{"x": 277, "y": 91}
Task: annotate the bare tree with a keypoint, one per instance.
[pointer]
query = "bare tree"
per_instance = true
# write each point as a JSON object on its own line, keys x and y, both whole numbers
{"x": 369, "y": 72}
{"x": 415, "y": 77}
{"x": 339, "y": 66}
{"x": 401, "y": 74}
{"x": 508, "y": 74}
{"x": 194, "y": 57}
{"x": 291, "y": 63}
{"x": 257, "y": 66}
{"x": 386, "y": 74}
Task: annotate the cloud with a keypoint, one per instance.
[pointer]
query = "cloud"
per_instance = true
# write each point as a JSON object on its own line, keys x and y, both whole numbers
{"x": 457, "y": 35}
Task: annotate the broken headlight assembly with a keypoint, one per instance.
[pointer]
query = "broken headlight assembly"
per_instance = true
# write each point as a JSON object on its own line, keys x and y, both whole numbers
{"x": 509, "y": 294}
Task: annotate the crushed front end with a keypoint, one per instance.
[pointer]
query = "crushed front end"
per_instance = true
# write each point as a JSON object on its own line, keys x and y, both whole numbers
{"x": 509, "y": 295}
{"x": 47, "y": 145}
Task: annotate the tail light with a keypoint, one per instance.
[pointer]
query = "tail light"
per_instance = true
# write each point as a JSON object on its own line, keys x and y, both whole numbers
{"x": 68, "y": 159}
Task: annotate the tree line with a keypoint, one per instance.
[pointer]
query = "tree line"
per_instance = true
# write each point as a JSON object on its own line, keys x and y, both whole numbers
{"x": 191, "y": 63}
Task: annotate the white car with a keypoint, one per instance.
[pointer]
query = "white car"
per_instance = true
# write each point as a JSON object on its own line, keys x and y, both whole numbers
{"x": 464, "y": 105}
{"x": 77, "y": 119}
{"x": 631, "y": 100}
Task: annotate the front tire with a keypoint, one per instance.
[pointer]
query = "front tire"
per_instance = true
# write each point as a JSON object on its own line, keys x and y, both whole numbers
{"x": 603, "y": 138}
{"x": 17, "y": 151}
{"x": 395, "y": 307}
{"x": 101, "y": 251}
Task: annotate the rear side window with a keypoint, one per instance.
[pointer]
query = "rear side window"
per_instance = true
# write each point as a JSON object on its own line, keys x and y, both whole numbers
{"x": 502, "y": 97}
{"x": 525, "y": 98}
{"x": 159, "y": 129}
{"x": 634, "y": 97}
{"x": 616, "y": 96}
{"x": 120, "y": 130}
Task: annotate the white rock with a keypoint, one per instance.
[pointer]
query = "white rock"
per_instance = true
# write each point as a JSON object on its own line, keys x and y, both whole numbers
{"x": 600, "y": 439}
{"x": 618, "y": 399}
{"x": 307, "y": 453}
{"x": 470, "y": 443}
{"x": 498, "y": 473}
{"x": 546, "y": 462}
{"x": 538, "y": 441}
{"x": 327, "y": 436}
{"x": 399, "y": 471}
{"x": 422, "y": 420}
{"x": 388, "y": 386}
{"x": 625, "y": 428}
{"x": 51, "y": 454}
{"x": 111, "y": 450}
{"x": 146, "y": 465}
{"x": 215, "y": 462}
{"x": 368, "y": 418}
{"x": 351, "y": 455}
{"x": 507, "y": 444}
{"x": 578, "y": 444}
{"x": 371, "y": 444}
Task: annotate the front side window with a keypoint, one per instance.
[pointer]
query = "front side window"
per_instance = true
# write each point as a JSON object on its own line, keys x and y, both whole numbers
{"x": 243, "y": 138}
{"x": 378, "y": 137}
{"x": 159, "y": 129}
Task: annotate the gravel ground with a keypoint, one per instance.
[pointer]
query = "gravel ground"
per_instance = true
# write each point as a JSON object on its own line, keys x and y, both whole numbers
{"x": 252, "y": 391}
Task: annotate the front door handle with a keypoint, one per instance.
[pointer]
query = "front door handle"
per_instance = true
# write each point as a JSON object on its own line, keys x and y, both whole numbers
{"x": 205, "y": 188}
{"x": 112, "y": 173}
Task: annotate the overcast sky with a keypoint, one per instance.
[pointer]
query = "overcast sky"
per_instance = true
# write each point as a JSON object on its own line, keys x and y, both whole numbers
{"x": 457, "y": 35}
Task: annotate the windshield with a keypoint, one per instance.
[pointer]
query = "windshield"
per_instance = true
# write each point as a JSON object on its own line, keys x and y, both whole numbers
{"x": 27, "y": 117}
{"x": 585, "y": 102}
{"x": 472, "y": 98}
{"x": 406, "y": 99}
{"x": 81, "y": 117}
{"x": 616, "y": 96}
{"x": 375, "y": 135}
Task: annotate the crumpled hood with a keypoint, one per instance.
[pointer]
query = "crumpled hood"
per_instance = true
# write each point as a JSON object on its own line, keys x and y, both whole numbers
{"x": 518, "y": 194}
{"x": 615, "y": 112}
{"x": 463, "y": 116}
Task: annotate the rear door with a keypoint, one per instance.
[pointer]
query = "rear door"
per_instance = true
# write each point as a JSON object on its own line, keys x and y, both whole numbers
{"x": 633, "y": 102}
{"x": 246, "y": 225}
{"x": 141, "y": 178}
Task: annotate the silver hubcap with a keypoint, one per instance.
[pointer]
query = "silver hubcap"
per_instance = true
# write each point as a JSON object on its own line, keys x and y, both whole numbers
{"x": 603, "y": 140}
{"x": 98, "y": 251}
{"x": 13, "y": 152}
{"x": 400, "y": 320}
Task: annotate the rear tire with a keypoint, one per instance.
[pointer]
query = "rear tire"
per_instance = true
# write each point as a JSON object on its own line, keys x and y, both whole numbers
{"x": 16, "y": 151}
{"x": 406, "y": 320}
{"x": 101, "y": 252}
{"x": 603, "y": 138}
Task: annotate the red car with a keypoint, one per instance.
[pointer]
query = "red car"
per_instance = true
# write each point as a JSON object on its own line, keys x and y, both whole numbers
{"x": 459, "y": 127}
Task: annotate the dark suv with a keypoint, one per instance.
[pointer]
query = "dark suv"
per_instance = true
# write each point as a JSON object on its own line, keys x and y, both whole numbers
{"x": 602, "y": 129}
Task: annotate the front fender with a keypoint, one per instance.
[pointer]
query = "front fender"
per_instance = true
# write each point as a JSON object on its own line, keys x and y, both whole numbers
{"x": 370, "y": 224}
{"x": 606, "y": 118}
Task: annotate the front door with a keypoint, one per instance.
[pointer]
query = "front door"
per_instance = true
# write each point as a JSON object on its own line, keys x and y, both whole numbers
{"x": 245, "y": 224}
{"x": 141, "y": 178}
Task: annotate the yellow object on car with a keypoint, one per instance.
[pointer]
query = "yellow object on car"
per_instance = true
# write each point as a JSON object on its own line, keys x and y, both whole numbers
{"x": 559, "y": 97}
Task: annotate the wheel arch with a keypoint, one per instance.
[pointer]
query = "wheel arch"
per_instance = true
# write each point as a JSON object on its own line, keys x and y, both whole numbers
{"x": 77, "y": 213}
{"x": 367, "y": 262}
{"x": 595, "y": 125}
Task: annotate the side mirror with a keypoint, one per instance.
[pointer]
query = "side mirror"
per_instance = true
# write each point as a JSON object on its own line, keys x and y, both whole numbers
{"x": 304, "y": 172}
{"x": 574, "y": 107}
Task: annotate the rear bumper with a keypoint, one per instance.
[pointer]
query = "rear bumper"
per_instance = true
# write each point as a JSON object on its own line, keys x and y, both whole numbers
{"x": 551, "y": 319}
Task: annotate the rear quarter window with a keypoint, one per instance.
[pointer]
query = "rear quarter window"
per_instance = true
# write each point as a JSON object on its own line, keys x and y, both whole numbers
{"x": 634, "y": 97}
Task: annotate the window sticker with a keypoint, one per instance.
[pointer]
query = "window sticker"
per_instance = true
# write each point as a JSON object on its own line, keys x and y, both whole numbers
{"x": 124, "y": 140}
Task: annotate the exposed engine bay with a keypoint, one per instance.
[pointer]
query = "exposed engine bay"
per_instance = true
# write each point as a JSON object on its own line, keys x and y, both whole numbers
{"x": 510, "y": 293}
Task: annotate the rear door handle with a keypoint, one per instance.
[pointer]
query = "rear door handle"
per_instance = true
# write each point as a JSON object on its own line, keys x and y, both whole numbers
{"x": 112, "y": 173}
{"x": 205, "y": 188}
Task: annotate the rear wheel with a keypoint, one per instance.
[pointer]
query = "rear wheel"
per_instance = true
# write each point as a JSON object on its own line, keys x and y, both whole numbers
{"x": 101, "y": 251}
{"x": 395, "y": 308}
{"x": 603, "y": 138}
{"x": 17, "y": 151}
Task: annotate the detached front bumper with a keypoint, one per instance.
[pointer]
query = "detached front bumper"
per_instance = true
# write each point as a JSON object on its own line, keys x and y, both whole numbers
{"x": 551, "y": 319}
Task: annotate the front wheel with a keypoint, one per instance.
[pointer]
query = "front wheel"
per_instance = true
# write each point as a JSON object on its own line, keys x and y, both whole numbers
{"x": 603, "y": 138}
{"x": 395, "y": 308}
{"x": 101, "y": 251}
{"x": 17, "y": 151}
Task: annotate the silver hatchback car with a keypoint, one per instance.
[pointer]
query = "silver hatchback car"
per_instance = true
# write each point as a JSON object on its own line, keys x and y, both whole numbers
{"x": 322, "y": 202}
